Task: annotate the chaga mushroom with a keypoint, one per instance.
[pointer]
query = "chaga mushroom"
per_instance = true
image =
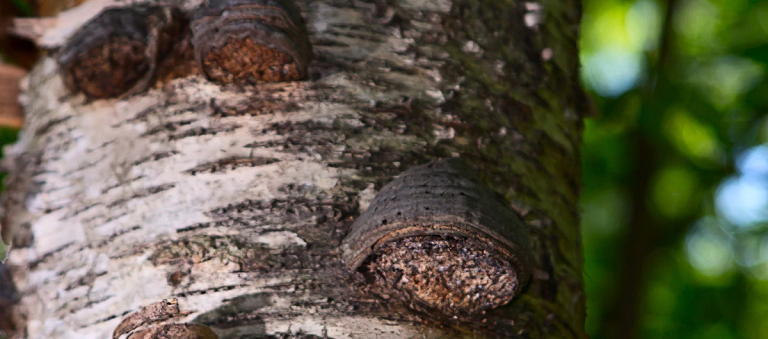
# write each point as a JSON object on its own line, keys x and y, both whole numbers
{"x": 246, "y": 41}
{"x": 147, "y": 315}
{"x": 118, "y": 51}
{"x": 437, "y": 239}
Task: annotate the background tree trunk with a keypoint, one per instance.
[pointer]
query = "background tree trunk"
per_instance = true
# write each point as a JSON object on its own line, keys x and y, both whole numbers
{"x": 234, "y": 200}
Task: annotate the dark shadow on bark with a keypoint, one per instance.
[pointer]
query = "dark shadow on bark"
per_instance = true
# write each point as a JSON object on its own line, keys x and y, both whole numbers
{"x": 242, "y": 317}
{"x": 9, "y": 297}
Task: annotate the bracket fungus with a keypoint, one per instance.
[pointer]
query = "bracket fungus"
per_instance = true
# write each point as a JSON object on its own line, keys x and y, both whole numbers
{"x": 117, "y": 52}
{"x": 437, "y": 239}
{"x": 242, "y": 41}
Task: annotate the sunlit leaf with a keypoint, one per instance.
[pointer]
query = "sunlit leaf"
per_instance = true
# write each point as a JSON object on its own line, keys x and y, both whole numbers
{"x": 691, "y": 137}
{"x": 674, "y": 192}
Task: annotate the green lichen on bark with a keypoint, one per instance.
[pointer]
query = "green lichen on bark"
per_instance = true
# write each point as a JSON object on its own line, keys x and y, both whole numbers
{"x": 534, "y": 161}
{"x": 516, "y": 118}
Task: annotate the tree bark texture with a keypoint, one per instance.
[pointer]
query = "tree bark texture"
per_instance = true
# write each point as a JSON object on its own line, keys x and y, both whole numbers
{"x": 235, "y": 200}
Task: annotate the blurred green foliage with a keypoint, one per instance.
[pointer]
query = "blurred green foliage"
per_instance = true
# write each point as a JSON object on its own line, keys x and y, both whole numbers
{"x": 7, "y": 136}
{"x": 23, "y": 7}
{"x": 677, "y": 160}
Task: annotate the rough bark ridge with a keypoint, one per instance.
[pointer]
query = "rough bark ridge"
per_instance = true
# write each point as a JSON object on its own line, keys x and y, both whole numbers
{"x": 235, "y": 200}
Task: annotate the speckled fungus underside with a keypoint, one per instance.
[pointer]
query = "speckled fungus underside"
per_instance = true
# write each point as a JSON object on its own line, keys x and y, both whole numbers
{"x": 437, "y": 239}
{"x": 118, "y": 51}
{"x": 245, "y": 41}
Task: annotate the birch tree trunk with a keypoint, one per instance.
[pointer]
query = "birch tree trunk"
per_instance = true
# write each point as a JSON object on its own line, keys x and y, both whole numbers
{"x": 234, "y": 200}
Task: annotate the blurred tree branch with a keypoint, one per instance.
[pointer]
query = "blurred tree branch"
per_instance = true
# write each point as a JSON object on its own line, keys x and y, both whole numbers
{"x": 644, "y": 231}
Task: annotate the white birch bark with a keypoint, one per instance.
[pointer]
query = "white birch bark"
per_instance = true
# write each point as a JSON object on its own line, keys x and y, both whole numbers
{"x": 234, "y": 200}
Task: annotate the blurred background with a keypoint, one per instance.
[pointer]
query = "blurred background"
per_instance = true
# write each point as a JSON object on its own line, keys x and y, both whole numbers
{"x": 675, "y": 200}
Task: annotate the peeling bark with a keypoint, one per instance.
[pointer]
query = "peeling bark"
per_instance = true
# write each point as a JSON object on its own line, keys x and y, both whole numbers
{"x": 235, "y": 200}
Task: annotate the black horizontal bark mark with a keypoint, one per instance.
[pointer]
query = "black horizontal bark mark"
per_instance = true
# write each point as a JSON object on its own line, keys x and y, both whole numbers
{"x": 167, "y": 108}
{"x": 209, "y": 290}
{"x": 149, "y": 191}
{"x": 154, "y": 157}
{"x": 42, "y": 130}
{"x": 86, "y": 280}
{"x": 87, "y": 304}
{"x": 363, "y": 37}
{"x": 263, "y": 104}
{"x": 50, "y": 254}
{"x": 228, "y": 164}
{"x": 84, "y": 167}
{"x": 323, "y": 215}
{"x": 112, "y": 217}
{"x": 333, "y": 60}
{"x": 81, "y": 210}
{"x": 120, "y": 184}
{"x": 325, "y": 42}
{"x": 51, "y": 209}
{"x": 168, "y": 127}
{"x": 200, "y": 131}
{"x": 100, "y": 244}
{"x": 104, "y": 145}
{"x": 142, "y": 115}
{"x": 132, "y": 252}
{"x": 113, "y": 237}
{"x": 309, "y": 138}
{"x": 108, "y": 219}
{"x": 379, "y": 30}
{"x": 331, "y": 63}
{"x": 199, "y": 226}
{"x": 392, "y": 67}
{"x": 297, "y": 129}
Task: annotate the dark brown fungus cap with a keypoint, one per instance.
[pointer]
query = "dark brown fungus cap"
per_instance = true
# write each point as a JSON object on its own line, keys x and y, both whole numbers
{"x": 117, "y": 52}
{"x": 151, "y": 322}
{"x": 245, "y": 41}
{"x": 438, "y": 239}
